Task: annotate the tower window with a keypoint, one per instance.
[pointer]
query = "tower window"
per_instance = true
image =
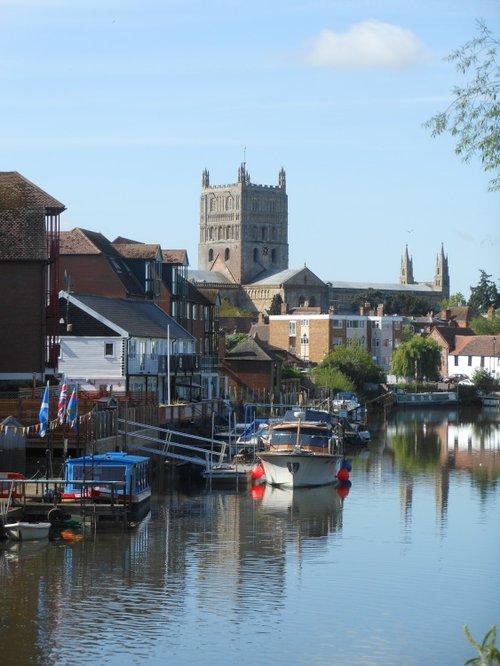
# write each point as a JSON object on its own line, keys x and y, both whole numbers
{"x": 210, "y": 255}
{"x": 255, "y": 254}
{"x": 226, "y": 254}
{"x": 273, "y": 255}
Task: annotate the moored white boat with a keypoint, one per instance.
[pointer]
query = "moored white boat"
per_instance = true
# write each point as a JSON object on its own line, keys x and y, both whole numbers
{"x": 301, "y": 454}
{"x": 23, "y": 531}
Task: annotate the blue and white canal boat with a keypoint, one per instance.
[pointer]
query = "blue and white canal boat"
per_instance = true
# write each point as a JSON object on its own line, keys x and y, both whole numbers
{"x": 115, "y": 476}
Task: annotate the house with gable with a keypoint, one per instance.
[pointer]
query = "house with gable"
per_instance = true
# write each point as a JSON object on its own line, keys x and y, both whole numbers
{"x": 475, "y": 352}
{"x": 124, "y": 268}
{"x": 29, "y": 249}
{"x": 446, "y": 337}
{"x": 124, "y": 344}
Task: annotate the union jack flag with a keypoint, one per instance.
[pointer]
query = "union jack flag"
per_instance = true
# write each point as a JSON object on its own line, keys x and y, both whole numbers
{"x": 63, "y": 397}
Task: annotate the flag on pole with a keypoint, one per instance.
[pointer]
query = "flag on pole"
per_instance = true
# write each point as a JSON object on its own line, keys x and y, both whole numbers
{"x": 72, "y": 409}
{"x": 43, "y": 414}
{"x": 63, "y": 397}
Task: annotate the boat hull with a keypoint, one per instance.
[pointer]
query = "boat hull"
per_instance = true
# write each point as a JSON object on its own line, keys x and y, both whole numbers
{"x": 21, "y": 531}
{"x": 300, "y": 470}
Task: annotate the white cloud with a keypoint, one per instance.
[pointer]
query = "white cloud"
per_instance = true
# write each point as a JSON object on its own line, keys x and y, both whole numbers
{"x": 367, "y": 45}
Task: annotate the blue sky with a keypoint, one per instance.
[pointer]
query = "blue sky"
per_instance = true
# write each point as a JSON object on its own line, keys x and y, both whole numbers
{"x": 115, "y": 107}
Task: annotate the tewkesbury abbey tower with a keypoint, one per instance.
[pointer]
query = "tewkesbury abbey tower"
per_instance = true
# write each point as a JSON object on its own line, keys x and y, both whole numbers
{"x": 244, "y": 240}
{"x": 245, "y": 226}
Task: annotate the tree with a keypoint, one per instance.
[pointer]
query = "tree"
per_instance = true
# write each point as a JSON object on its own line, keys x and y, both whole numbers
{"x": 485, "y": 326}
{"x": 473, "y": 116}
{"x": 419, "y": 357}
{"x": 484, "y": 381}
{"x": 332, "y": 378}
{"x": 371, "y": 296}
{"x": 454, "y": 301}
{"x": 406, "y": 304}
{"x": 485, "y": 295}
{"x": 354, "y": 363}
{"x": 275, "y": 307}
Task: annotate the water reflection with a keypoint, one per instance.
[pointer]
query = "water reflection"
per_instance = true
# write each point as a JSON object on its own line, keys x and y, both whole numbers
{"x": 307, "y": 513}
{"x": 248, "y": 564}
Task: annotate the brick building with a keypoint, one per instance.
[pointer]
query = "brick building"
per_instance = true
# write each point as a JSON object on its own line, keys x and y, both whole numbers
{"x": 29, "y": 242}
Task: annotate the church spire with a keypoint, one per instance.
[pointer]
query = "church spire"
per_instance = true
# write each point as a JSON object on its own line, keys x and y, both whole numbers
{"x": 442, "y": 276}
{"x": 406, "y": 273}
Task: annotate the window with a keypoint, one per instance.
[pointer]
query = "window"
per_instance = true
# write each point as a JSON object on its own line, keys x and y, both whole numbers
{"x": 305, "y": 322}
{"x": 292, "y": 328}
{"x": 336, "y": 323}
{"x": 226, "y": 254}
{"x": 210, "y": 255}
{"x": 109, "y": 349}
{"x": 255, "y": 254}
{"x": 273, "y": 256}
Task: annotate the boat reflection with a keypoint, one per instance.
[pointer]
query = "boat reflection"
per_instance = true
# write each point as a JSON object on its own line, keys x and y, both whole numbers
{"x": 315, "y": 512}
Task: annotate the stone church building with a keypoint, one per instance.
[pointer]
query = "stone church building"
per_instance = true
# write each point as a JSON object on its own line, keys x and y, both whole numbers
{"x": 243, "y": 252}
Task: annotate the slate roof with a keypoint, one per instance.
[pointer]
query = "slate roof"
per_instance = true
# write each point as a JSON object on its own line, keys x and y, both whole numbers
{"x": 210, "y": 278}
{"x": 272, "y": 279}
{"x": 249, "y": 349}
{"x": 378, "y": 286}
{"x": 16, "y": 191}
{"x": 477, "y": 345}
{"x": 138, "y": 318}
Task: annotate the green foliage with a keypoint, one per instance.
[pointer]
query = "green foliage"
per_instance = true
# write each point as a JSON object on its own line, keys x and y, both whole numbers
{"x": 406, "y": 333}
{"x": 355, "y": 364}
{"x": 488, "y": 653}
{"x": 484, "y": 295}
{"x": 454, "y": 301}
{"x": 484, "y": 381}
{"x": 473, "y": 115}
{"x": 276, "y": 303}
{"x": 233, "y": 339}
{"x": 484, "y": 326}
{"x": 406, "y": 304}
{"x": 290, "y": 373}
{"x": 227, "y": 309}
{"x": 419, "y": 357}
{"x": 332, "y": 378}
{"x": 371, "y": 296}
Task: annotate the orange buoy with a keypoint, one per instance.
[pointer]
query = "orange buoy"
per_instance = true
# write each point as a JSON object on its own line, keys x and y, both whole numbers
{"x": 257, "y": 472}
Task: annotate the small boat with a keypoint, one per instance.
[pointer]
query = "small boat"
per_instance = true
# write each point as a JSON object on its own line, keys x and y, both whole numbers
{"x": 108, "y": 477}
{"x": 22, "y": 531}
{"x": 301, "y": 453}
{"x": 346, "y": 402}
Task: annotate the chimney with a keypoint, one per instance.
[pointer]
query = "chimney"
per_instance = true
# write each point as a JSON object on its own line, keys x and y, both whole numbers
{"x": 380, "y": 310}
{"x": 284, "y": 309}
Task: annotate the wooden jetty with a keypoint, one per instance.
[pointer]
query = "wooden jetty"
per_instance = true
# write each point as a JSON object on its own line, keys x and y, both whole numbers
{"x": 42, "y": 500}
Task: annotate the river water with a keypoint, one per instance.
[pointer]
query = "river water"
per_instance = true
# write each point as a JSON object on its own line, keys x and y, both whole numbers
{"x": 387, "y": 573}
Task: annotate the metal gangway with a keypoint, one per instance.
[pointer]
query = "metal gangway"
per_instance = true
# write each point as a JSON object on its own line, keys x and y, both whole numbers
{"x": 175, "y": 445}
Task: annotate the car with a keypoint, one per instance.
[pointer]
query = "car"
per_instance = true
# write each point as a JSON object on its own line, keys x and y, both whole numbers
{"x": 466, "y": 382}
{"x": 456, "y": 379}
